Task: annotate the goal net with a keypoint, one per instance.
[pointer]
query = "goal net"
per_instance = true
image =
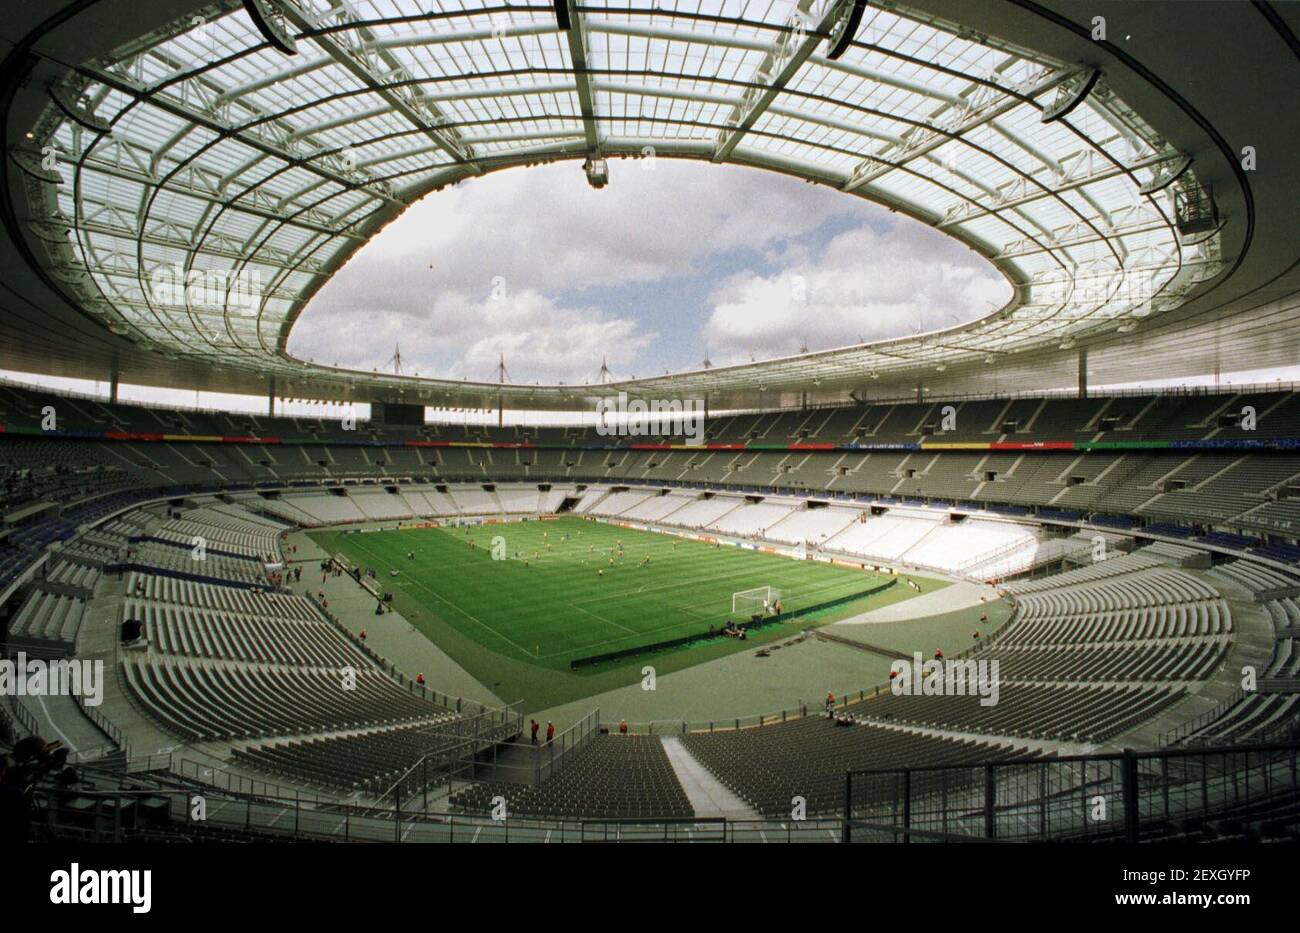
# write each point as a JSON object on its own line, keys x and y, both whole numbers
{"x": 758, "y": 601}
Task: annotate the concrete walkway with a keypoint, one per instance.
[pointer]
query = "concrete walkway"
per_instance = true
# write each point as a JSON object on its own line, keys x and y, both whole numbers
{"x": 59, "y": 717}
{"x": 706, "y": 794}
{"x": 955, "y": 596}
{"x": 736, "y": 685}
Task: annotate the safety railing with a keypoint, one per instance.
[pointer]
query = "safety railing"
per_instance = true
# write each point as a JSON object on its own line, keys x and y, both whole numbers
{"x": 165, "y": 814}
{"x": 1125, "y": 797}
{"x": 222, "y": 778}
{"x": 1128, "y": 797}
{"x": 1184, "y": 732}
{"x": 488, "y": 418}
{"x": 455, "y": 748}
{"x": 107, "y": 726}
{"x": 23, "y": 717}
{"x": 803, "y": 708}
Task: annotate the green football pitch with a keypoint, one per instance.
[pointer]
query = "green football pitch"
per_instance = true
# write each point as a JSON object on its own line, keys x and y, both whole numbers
{"x": 540, "y": 594}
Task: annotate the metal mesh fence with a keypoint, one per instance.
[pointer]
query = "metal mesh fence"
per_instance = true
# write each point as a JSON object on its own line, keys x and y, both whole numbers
{"x": 1124, "y": 796}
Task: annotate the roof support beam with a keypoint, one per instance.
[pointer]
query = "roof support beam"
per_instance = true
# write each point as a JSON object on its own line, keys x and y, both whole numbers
{"x": 921, "y": 143}
{"x": 1070, "y": 95}
{"x": 360, "y": 62}
{"x": 1083, "y": 171}
{"x": 1052, "y": 164}
{"x": 911, "y": 85}
{"x": 217, "y": 102}
{"x": 421, "y": 40}
{"x": 573, "y": 24}
{"x": 193, "y": 191}
{"x": 1136, "y": 222}
{"x": 1027, "y": 147}
{"x": 221, "y": 248}
{"x": 730, "y": 100}
{"x": 253, "y": 140}
{"x": 783, "y": 60}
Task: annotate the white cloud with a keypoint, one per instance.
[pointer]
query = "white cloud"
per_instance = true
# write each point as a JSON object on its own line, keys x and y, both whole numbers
{"x": 866, "y": 285}
{"x": 545, "y": 343}
{"x": 544, "y": 239}
{"x": 540, "y": 339}
{"x": 545, "y": 229}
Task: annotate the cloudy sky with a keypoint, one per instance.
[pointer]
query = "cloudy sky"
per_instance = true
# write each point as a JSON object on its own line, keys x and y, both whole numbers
{"x": 672, "y": 259}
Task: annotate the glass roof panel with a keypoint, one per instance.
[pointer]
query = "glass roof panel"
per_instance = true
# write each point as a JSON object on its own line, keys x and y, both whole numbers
{"x": 227, "y": 156}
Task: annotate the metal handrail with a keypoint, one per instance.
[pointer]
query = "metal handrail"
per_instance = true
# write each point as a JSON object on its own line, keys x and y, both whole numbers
{"x": 1185, "y": 730}
{"x": 1145, "y": 783}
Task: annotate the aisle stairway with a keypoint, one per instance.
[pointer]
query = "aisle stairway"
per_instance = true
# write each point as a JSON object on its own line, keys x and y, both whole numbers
{"x": 706, "y": 793}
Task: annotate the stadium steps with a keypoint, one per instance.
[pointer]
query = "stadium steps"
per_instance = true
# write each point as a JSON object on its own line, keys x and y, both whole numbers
{"x": 858, "y": 424}
{"x": 239, "y": 449}
{"x": 794, "y": 433}
{"x": 816, "y": 432}
{"x": 1210, "y": 421}
{"x": 707, "y": 794}
{"x": 1060, "y": 478}
{"x": 901, "y": 476}
{"x": 1133, "y": 464}
{"x": 1029, "y": 425}
{"x": 978, "y": 469}
{"x": 1091, "y": 424}
{"x": 58, "y": 717}
{"x": 1139, "y": 415}
{"x": 1282, "y": 401}
{"x": 109, "y": 448}
{"x": 87, "y": 416}
{"x": 875, "y": 430}
{"x": 1218, "y": 473}
{"x": 926, "y": 413}
{"x": 776, "y": 420}
{"x": 996, "y": 426}
{"x": 903, "y": 557}
{"x": 1180, "y": 466}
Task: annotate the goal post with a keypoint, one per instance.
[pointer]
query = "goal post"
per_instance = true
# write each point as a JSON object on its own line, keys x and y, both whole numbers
{"x": 758, "y": 601}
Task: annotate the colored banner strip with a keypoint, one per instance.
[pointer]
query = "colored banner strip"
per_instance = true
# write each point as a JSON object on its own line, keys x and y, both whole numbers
{"x": 1242, "y": 444}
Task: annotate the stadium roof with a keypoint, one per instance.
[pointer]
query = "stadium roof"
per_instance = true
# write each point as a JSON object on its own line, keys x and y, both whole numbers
{"x": 184, "y": 177}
